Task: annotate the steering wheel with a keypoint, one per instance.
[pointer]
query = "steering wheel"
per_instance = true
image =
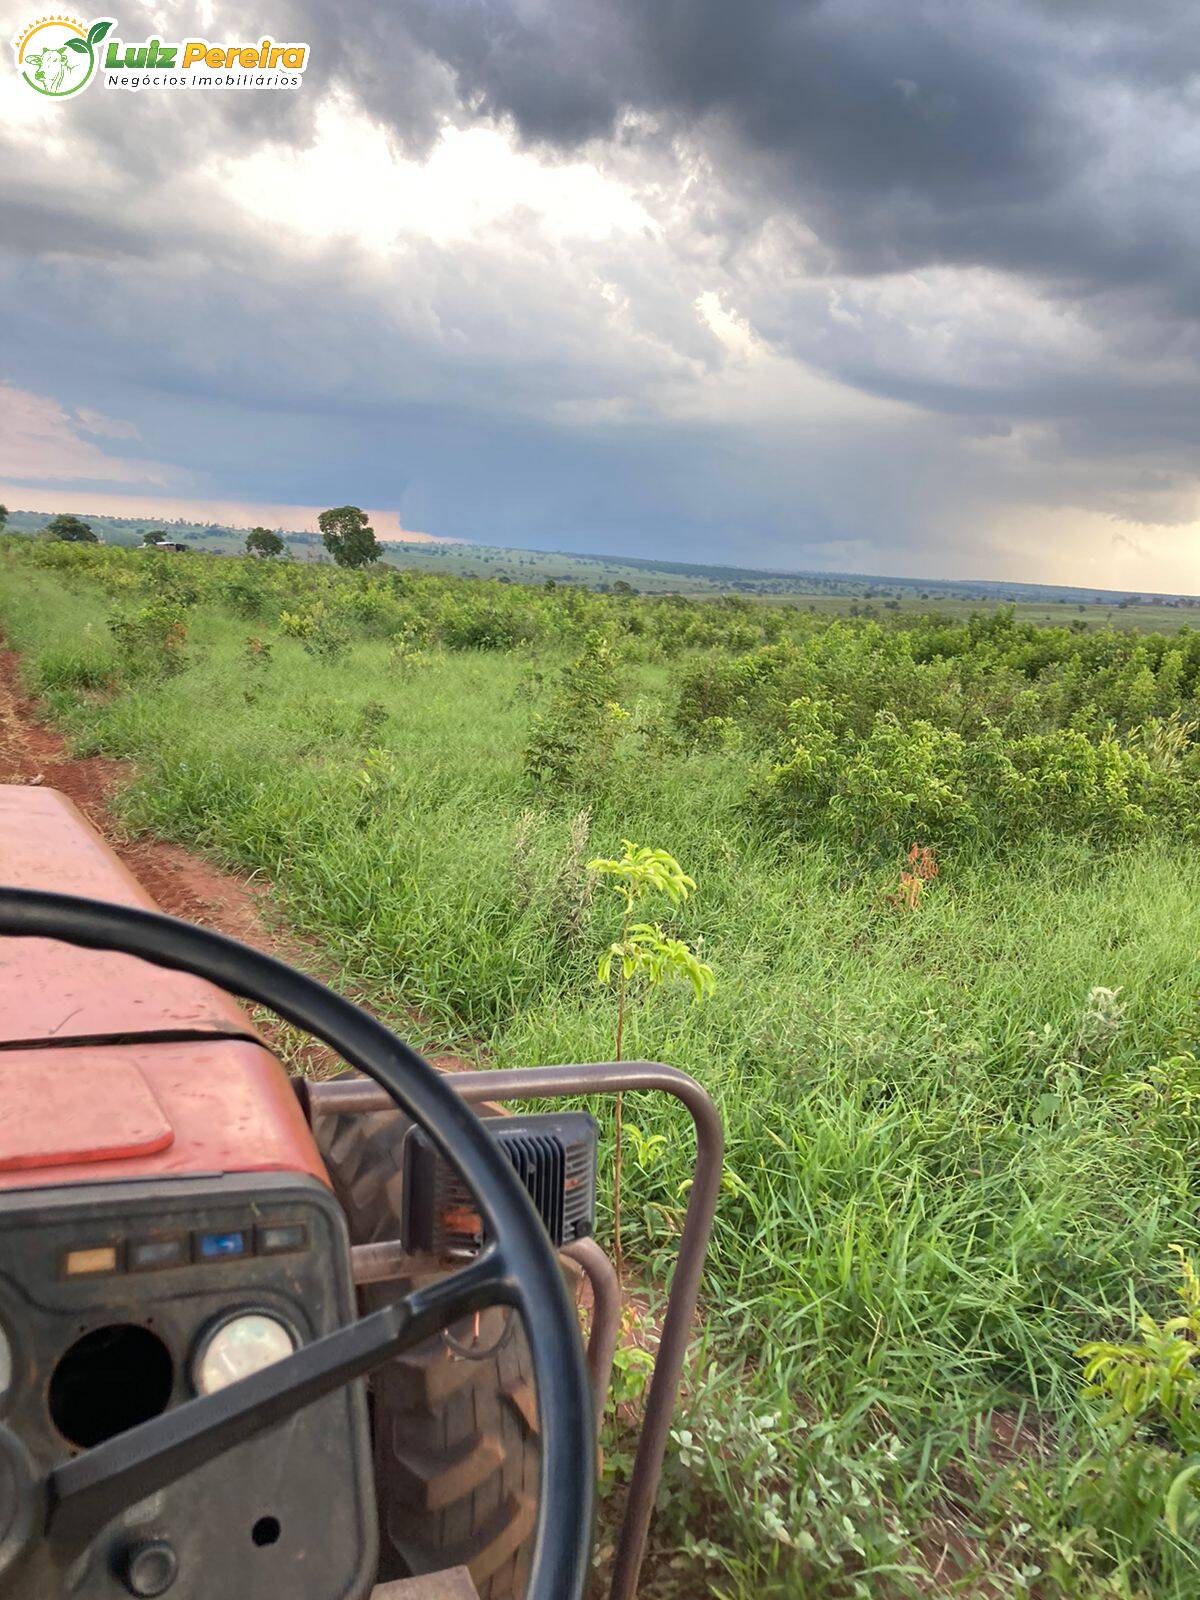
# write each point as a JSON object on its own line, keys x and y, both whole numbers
{"x": 516, "y": 1267}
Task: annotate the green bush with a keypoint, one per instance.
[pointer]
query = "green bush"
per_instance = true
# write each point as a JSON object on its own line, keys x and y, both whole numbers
{"x": 573, "y": 737}
{"x": 151, "y": 640}
{"x": 369, "y": 606}
{"x": 321, "y": 634}
{"x": 485, "y": 625}
{"x": 243, "y": 592}
{"x": 898, "y": 782}
{"x": 753, "y": 690}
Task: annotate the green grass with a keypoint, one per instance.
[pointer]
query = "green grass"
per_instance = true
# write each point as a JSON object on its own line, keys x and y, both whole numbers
{"x": 947, "y": 1166}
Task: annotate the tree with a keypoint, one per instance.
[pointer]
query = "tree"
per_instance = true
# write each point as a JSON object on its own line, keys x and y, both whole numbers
{"x": 153, "y": 535}
{"x": 3, "y": 517}
{"x": 349, "y": 537}
{"x": 644, "y": 956}
{"x": 69, "y": 529}
{"x": 262, "y": 542}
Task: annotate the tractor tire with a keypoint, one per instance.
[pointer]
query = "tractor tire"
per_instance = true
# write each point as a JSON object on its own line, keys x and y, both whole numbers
{"x": 455, "y": 1439}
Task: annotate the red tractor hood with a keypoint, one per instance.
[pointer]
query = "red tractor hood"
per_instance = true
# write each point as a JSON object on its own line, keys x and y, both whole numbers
{"x": 94, "y": 1114}
{"x": 41, "y": 1092}
{"x": 56, "y": 994}
{"x": 110, "y": 1068}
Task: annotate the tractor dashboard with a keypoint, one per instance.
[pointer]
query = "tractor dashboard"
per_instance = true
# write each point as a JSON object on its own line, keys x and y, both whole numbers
{"x": 121, "y": 1301}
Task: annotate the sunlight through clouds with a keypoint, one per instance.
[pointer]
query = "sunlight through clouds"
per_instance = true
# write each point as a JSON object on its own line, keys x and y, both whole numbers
{"x": 352, "y": 181}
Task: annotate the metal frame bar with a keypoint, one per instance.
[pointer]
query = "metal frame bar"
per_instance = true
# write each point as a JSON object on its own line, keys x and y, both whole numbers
{"x": 609, "y": 1077}
{"x": 606, "y": 1317}
{"x": 378, "y": 1263}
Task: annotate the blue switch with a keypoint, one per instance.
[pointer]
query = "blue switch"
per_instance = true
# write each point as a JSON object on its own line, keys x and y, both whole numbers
{"x": 221, "y": 1246}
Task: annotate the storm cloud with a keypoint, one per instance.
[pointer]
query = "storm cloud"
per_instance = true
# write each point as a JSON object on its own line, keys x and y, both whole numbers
{"x": 845, "y": 284}
{"x": 1045, "y": 138}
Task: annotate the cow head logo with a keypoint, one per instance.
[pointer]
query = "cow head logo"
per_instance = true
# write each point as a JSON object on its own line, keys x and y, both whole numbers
{"x": 57, "y": 55}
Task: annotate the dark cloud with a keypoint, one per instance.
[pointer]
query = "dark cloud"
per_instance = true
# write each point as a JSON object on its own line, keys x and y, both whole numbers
{"x": 1027, "y": 137}
{"x": 982, "y": 214}
{"x": 1049, "y": 139}
{"x": 1043, "y": 137}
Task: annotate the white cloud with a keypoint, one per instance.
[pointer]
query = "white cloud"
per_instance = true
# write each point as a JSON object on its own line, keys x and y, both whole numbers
{"x": 352, "y": 182}
{"x": 103, "y": 427}
{"x": 759, "y": 383}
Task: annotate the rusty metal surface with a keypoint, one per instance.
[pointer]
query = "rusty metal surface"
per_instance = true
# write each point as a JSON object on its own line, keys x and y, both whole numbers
{"x": 52, "y": 993}
{"x": 453, "y": 1584}
{"x": 607, "y": 1077}
{"x": 379, "y": 1263}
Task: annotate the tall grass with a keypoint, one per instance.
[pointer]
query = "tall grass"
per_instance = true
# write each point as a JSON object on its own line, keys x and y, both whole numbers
{"x": 954, "y": 1148}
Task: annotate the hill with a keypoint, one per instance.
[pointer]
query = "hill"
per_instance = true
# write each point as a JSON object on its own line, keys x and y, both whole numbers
{"x": 835, "y": 593}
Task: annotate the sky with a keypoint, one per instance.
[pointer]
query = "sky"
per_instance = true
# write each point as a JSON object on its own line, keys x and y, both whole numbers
{"x": 844, "y": 285}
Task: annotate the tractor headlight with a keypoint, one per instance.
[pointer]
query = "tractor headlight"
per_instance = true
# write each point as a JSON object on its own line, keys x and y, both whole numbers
{"x": 238, "y": 1347}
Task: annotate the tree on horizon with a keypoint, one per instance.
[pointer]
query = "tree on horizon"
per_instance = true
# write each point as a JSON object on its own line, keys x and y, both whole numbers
{"x": 349, "y": 537}
{"x": 263, "y": 543}
{"x": 69, "y": 529}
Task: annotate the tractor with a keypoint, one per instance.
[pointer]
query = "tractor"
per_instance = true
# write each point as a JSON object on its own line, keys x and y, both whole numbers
{"x": 269, "y": 1339}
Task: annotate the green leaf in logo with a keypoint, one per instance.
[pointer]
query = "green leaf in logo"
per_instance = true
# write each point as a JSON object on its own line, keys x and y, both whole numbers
{"x": 77, "y": 44}
{"x": 97, "y": 31}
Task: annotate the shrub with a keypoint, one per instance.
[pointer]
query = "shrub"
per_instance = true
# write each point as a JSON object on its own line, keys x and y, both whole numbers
{"x": 321, "y": 635}
{"x": 1153, "y": 1379}
{"x": 754, "y": 690}
{"x": 405, "y": 657}
{"x": 1126, "y": 1511}
{"x": 899, "y": 782}
{"x": 256, "y": 659}
{"x": 369, "y": 606}
{"x": 174, "y": 582}
{"x": 485, "y": 625}
{"x": 573, "y": 738}
{"x": 243, "y": 592}
{"x": 150, "y": 641}
{"x": 368, "y": 723}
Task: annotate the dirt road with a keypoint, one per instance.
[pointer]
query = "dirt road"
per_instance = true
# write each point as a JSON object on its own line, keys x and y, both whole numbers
{"x": 181, "y": 883}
